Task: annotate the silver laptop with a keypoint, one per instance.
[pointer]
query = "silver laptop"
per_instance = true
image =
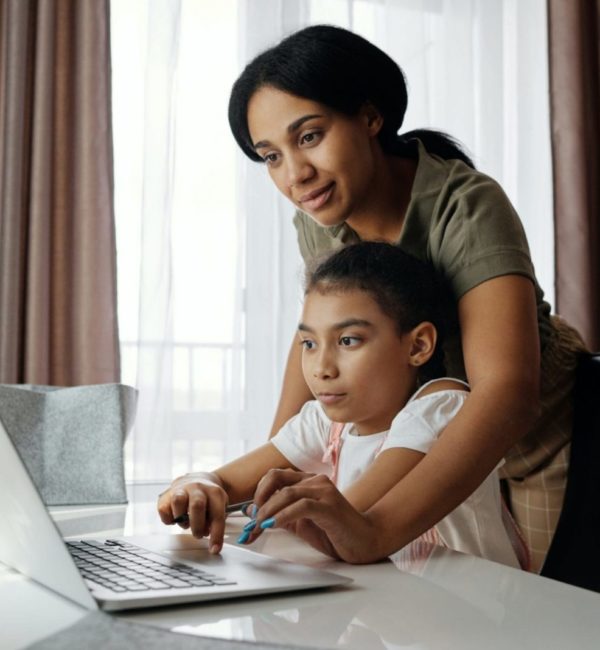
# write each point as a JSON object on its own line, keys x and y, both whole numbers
{"x": 130, "y": 572}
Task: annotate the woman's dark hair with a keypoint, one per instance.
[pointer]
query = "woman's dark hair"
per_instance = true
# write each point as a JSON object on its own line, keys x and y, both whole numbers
{"x": 406, "y": 289}
{"x": 339, "y": 69}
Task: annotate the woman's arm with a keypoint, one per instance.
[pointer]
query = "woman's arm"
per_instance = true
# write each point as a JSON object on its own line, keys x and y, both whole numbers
{"x": 501, "y": 350}
{"x": 294, "y": 392}
{"x": 383, "y": 474}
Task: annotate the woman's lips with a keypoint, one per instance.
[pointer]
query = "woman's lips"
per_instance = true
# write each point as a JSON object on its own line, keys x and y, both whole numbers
{"x": 317, "y": 198}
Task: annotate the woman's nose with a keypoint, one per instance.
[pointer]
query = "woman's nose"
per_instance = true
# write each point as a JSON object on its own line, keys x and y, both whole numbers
{"x": 299, "y": 171}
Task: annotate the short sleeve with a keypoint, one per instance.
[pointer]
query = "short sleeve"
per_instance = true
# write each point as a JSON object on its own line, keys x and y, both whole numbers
{"x": 303, "y": 439}
{"x": 483, "y": 237}
{"x": 306, "y": 242}
{"x": 421, "y": 421}
{"x": 461, "y": 222}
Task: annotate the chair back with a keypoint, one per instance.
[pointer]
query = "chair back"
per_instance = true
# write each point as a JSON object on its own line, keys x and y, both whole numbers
{"x": 574, "y": 555}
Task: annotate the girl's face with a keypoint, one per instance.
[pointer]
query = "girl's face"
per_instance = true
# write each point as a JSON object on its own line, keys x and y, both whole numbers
{"x": 322, "y": 160}
{"x": 355, "y": 362}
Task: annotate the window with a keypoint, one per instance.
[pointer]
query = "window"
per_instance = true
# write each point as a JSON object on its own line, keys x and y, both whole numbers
{"x": 179, "y": 257}
{"x": 207, "y": 258}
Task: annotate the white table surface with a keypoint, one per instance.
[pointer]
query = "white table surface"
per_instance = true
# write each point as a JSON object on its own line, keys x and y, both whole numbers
{"x": 428, "y": 600}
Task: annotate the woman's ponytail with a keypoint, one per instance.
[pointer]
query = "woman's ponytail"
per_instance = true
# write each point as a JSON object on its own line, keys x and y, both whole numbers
{"x": 437, "y": 143}
{"x": 342, "y": 70}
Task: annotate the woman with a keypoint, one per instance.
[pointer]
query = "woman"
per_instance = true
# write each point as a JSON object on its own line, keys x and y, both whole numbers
{"x": 322, "y": 110}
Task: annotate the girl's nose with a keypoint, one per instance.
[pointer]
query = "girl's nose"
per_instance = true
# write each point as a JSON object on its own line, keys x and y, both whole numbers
{"x": 325, "y": 367}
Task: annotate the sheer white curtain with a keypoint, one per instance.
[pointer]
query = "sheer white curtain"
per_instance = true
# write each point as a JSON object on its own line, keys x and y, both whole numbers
{"x": 179, "y": 234}
{"x": 478, "y": 70}
{"x": 209, "y": 272}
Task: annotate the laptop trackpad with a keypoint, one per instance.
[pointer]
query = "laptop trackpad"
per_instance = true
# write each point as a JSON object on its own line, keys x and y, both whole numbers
{"x": 234, "y": 562}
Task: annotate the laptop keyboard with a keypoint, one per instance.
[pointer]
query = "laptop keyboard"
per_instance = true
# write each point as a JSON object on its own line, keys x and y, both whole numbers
{"x": 123, "y": 567}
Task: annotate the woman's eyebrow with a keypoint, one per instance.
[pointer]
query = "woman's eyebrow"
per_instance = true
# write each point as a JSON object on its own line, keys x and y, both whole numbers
{"x": 294, "y": 126}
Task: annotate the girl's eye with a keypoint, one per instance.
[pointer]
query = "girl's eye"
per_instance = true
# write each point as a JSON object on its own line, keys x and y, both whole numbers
{"x": 307, "y": 344}
{"x": 349, "y": 341}
{"x": 310, "y": 138}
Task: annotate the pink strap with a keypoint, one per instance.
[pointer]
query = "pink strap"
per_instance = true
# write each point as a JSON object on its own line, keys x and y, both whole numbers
{"x": 334, "y": 444}
{"x": 516, "y": 538}
{"x": 332, "y": 453}
{"x": 430, "y": 536}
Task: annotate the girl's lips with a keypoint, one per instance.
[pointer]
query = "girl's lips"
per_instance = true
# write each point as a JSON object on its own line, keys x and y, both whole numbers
{"x": 330, "y": 398}
{"x": 315, "y": 200}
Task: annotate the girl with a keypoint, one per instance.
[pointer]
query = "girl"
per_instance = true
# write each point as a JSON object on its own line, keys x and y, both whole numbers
{"x": 322, "y": 111}
{"x": 368, "y": 334}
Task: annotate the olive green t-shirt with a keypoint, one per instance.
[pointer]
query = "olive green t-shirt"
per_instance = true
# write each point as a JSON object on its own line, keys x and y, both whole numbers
{"x": 458, "y": 220}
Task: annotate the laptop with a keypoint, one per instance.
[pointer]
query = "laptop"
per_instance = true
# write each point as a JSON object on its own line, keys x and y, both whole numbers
{"x": 130, "y": 572}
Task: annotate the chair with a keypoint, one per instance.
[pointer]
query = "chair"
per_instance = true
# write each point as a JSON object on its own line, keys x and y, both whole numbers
{"x": 574, "y": 555}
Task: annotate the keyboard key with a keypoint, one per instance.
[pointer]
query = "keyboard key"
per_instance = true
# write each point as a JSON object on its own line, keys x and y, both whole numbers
{"x": 123, "y": 567}
{"x": 177, "y": 583}
{"x": 198, "y": 582}
{"x": 223, "y": 581}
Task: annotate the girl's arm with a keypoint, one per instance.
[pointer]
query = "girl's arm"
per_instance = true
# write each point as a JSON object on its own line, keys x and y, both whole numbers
{"x": 387, "y": 470}
{"x": 393, "y": 464}
{"x": 203, "y": 496}
{"x": 294, "y": 392}
{"x": 502, "y": 358}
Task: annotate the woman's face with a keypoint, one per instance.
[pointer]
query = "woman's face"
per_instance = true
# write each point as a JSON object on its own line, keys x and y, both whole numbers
{"x": 322, "y": 160}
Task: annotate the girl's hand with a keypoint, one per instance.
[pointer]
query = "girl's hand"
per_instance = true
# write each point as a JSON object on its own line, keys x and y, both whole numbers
{"x": 314, "y": 509}
{"x": 201, "y": 502}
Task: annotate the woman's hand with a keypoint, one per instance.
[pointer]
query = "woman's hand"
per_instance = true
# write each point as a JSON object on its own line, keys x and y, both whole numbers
{"x": 203, "y": 500}
{"x": 314, "y": 509}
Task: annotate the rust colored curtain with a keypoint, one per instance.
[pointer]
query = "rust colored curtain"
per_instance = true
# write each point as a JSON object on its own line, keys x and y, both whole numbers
{"x": 58, "y": 322}
{"x": 575, "y": 118}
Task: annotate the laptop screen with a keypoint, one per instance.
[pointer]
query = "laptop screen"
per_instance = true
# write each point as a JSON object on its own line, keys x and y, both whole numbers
{"x": 29, "y": 540}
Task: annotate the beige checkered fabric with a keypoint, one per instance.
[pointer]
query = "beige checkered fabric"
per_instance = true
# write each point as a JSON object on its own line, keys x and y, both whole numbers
{"x": 536, "y": 468}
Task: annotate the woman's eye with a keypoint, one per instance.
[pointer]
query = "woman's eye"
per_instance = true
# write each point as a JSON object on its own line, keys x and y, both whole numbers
{"x": 310, "y": 138}
{"x": 307, "y": 344}
{"x": 348, "y": 341}
{"x": 270, "y": 158}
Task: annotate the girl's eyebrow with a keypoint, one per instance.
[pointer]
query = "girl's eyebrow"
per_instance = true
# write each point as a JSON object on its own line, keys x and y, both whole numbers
{"x": 294, "y": 126}
{"x": 349, "y": 322}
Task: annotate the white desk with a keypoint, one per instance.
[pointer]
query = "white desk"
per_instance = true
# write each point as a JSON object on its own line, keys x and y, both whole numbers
{"x": 444, "y": 600}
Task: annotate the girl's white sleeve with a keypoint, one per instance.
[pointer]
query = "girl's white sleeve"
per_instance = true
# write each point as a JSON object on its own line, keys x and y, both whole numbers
{"x": 420, "y": 422}
{"x": 303, "y": 439}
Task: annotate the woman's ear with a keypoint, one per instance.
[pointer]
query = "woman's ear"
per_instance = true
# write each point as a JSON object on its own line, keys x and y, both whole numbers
{"x": 423, "y": 341}
{"x": 373, "y": 118}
